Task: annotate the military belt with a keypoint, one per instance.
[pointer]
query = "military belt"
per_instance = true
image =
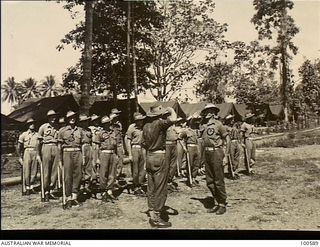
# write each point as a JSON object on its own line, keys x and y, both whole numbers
{"x": 171, "y": 142}
{"x": 212, "y": 148}
{"x": 192, "y": 145}
{"x": 30, "y": 149}
{"x": 157, "y": 152}
{"x": 50, "y": 143}
{"x": 107, "y": 151}
{"x": 234, "y": 140}
{"x": 136, "y": 145}
{"x": 71, "y": 149}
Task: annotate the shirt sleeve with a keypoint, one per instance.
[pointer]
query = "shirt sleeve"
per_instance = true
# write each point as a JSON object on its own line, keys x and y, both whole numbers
{"x": 223, "y": 130}
{"x": 60, "y": 135}
{"x": 21, "y": 138}
{"x": 164, "y": 124}
{"x": 243, "y": 127}
{"x": 96, "y": 138}
{"x": 130, "y": 132}
{"x": 41, "y": 132}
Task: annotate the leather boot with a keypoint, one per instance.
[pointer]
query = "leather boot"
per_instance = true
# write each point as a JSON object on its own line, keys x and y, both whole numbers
{"x": 221, "y": 210}
{"x": 156, "y": 222}
{"x": 213, "y": 210}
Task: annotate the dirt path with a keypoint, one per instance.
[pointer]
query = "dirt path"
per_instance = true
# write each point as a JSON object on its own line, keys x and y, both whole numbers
{"x": 284, "y": 193}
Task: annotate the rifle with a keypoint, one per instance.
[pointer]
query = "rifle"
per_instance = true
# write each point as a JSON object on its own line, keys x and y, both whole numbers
{"x": 23, "y": 188}
{"x": 63, "y": 186}
{"x": 230, "y": 166}
{"x": 41, "y": 179}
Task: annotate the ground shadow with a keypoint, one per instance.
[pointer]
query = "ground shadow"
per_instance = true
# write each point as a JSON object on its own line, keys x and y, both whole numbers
{"x": 166, "y": 211}
{"x": 207, "y": 202}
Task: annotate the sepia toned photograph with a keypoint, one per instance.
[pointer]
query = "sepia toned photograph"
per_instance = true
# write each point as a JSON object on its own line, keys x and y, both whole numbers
{"x": 160, "y": 114}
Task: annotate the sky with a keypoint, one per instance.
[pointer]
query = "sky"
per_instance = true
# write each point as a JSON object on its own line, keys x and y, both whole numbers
{"x": 31, "y": 30}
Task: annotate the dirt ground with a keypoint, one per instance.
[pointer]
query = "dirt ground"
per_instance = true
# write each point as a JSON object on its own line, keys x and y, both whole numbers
{"x": 284, "y": 193}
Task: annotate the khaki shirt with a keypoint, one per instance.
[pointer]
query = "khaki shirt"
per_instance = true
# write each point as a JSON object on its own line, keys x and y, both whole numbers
{"x": 214, "y": 133}
{"x": 29, "y": 139}
{"x": 134, "y": 134}
{"x": 87, "y": 136}
{"x": 117, "y": 130}
{"x": 172, "y": 133}
{"x": 234, "y": 133}
{"x": 106, "y": 139}
{"x": 47, "y": 133}
{"x": 69, "y": 137}
{"x": 247, "y": 130}
{"x": 190, "y": 135}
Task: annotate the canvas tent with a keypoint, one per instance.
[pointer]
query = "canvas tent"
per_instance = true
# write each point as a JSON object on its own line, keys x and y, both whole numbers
{"x": 37, "y": 109}
{"x": 275, "y": 112}
{"x": 8, "y": 123}
{"x": 190, "y": 109}
{"x": 145, "y": 107}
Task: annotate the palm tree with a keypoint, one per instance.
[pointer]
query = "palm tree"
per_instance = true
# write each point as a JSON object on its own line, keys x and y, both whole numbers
{"x": 30, "y": 89}
{"x": 49, "y": 87}
{"x": 11, "y": 91}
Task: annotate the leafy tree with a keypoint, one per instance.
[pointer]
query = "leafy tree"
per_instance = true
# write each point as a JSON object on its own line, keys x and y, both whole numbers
{"x": 11, "y": 91}
{"x": 213, "y": 86}
{"x": 272, "y": 21}
{"x": 49, "y": 87}
{"x": 29, "y": 88}
{"x": 310, "y": 82}
{"x": 109, "y": 44}
{"x": 188, "y": 28}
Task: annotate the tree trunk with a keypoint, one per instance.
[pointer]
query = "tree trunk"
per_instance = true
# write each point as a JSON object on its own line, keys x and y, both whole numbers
{"x": 128, "y": 61}
{"x": 87, "y": 59}
{"x": 134, "y": 69}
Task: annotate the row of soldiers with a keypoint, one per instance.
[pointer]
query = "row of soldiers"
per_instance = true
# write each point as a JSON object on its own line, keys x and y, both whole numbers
{"x": 81, "y": 152}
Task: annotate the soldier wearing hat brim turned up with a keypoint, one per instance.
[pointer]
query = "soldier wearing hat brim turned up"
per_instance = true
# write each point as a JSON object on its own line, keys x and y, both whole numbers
{"x": 86, "y": 153}
{"x": 48, "y": 149}
{"x": 107, "y": 147}
{"x": 154, "y": 138}
{"x": 27, "y": 150}
{"x": 248, "y": 132}
{"x": 70, "y": 140}
{"x": 133, "y": 139}
{"x": 214, "y": 134}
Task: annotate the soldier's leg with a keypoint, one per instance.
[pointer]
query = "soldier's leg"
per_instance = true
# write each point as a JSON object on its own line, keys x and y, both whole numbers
{"x": 119, "y": 168}
{"x": 195, "y": 163}
{"x": 76, "y": 173}
{"x": 46, "y": 160}
{"x": 54, "y": 167}
{"x": 26, "y": 168}
{"x": 87, "y": 166}
{"x": 103, "y": 171}
{"x": 253, "y": 153}
{"x": 135, "y": 167}
{"x": 236, "y": 156}
{"x": 68, "y": 174}
{"x": 112, "y": 171}
{"x": 219, "y": 185}
{"x": 94, "y": 171}
{"x": 142, "y": 171}
{"x": 210, "y": 172}
{"x": 34, "y": 168}
{"x": 249, "y": 149}
{"x": 180, "y": 154}
{"x": 171, "y": 160}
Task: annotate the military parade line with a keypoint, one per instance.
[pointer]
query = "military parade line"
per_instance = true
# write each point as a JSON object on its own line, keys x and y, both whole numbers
{"x": 82, "y": 155}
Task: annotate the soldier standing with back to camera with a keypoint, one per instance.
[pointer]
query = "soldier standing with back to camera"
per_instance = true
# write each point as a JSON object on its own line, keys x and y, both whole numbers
{"x": 135, "y": 152}
{"x": 154, "y": 138}
{"x": 214, "y": 134}
{"x": 48, "y": 149}
{"x": 70, "y": 140}
{"x": 27, "y": 150}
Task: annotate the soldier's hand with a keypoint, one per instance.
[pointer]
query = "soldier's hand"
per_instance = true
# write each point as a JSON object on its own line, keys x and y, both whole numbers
{"x": 98, "y": 162}
{"x": 243, "y": 145}
{"x": 38, "y": 158}
{"x": 225, "y": 160}
{"x": 130, "y": 157}
{"x": 20, "y": 161}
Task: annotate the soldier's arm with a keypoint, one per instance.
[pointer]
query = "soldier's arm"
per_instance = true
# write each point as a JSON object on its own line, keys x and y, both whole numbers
{"x": 20, "y": 146}
{"x": 40, "y": 142}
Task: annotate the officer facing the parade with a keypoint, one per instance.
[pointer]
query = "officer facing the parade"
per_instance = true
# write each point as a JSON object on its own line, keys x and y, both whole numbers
{"x": 214, "y": 134}
{"x": 135, "y": 152}
{"x": 107, "y": 146}
{"x": 70, "y": 140}
{"x": 48, "y": 150}
{"x": 27, "y": 150}
{"x": 154, "y": 138}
